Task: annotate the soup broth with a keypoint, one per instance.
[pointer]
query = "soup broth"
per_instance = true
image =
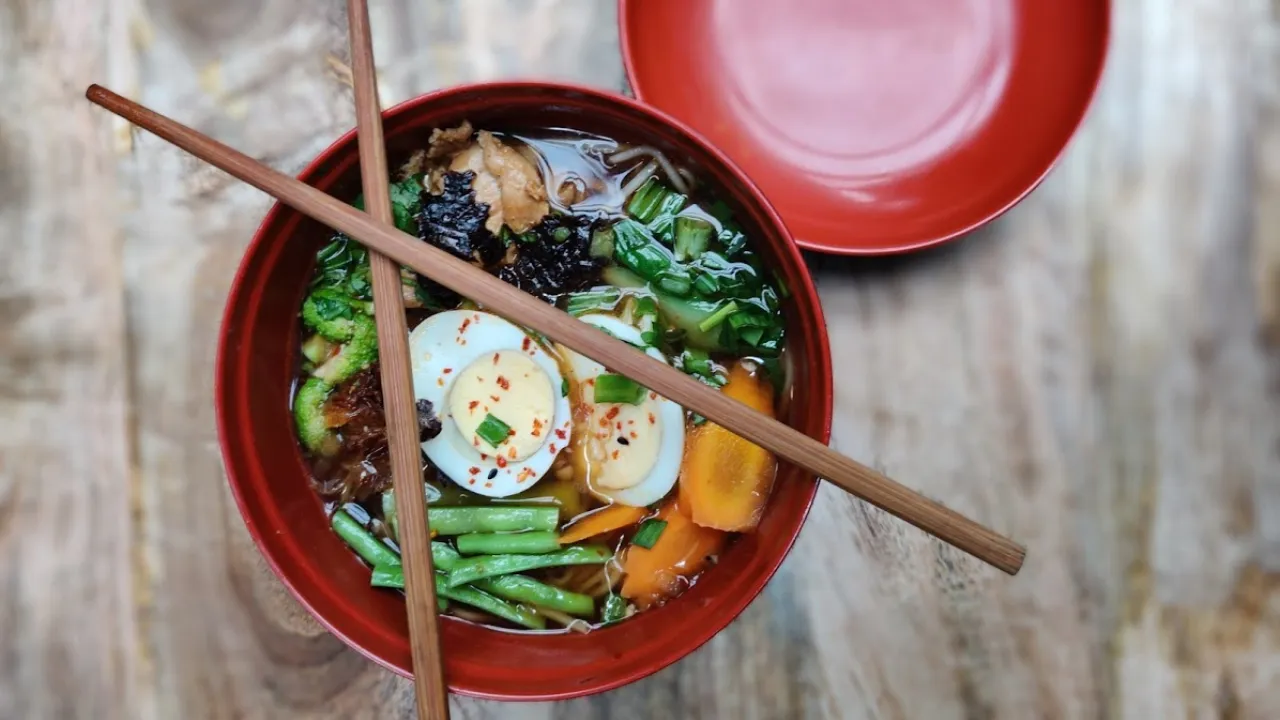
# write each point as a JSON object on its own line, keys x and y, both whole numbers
{"x": 562, "y": 496}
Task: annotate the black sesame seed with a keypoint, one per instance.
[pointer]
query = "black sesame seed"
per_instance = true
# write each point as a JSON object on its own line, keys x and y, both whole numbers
{"x": 623, "y": 440}
{"x": 493, "y": 473}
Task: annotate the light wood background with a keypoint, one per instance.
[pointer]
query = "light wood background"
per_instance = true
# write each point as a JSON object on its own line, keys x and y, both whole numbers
{"x": 1097, "y": 374}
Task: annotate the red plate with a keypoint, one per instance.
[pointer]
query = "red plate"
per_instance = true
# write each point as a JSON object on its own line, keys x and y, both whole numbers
{"x": 875, "y": 126}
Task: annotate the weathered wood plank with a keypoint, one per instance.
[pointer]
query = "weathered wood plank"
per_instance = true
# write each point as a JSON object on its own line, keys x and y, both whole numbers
{"x": 66, "y": 615}
{"x": 1098, "y": 373}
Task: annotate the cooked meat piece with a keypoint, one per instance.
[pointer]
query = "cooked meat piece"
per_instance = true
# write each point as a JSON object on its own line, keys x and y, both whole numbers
{"x": 506, "y": 181}
{"x": 572, "y": 191}
{"x": 444, "y": 143}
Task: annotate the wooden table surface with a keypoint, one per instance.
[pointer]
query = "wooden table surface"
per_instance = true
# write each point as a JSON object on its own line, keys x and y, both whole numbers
{"x": 1098, "y": 374}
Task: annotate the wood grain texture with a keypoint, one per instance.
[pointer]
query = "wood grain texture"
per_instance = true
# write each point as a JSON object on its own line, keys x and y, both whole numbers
{"x": 1113, "y": 395}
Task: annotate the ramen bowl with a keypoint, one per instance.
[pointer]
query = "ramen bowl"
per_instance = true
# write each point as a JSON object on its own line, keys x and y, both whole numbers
{"x": 270, "y": 479}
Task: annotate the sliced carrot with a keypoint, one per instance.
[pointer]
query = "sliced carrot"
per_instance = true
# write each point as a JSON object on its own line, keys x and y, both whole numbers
{"x": 682, "y": 551}
{"x": 725, "y": 480}
{"x": 614, "y": 517}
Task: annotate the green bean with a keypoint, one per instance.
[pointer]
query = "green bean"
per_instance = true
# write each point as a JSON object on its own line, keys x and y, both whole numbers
{"x": 443, "y": 556}
{"x": 373, "y": 550}
{"x": 484, "y": 566}
{"x": 527, "y": 543}
{"x": 389, "y": 516}
{"x": 463, "y": 520}
{"x": 521, "y": 589}
{"x": 480, "y": 600}
{"x": 393, "y": 577}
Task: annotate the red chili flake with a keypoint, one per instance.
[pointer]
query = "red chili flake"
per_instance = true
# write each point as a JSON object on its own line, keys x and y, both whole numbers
{"x": 510, "y": 432}
{"x": 619, "y": 427}
{"x": 615, "y": 454}
{"x": 652, "y": 420}
{"x": 440, "y": 382}
{"x": 486, "y": 408}
{"x": 592, "y": 381}
{"x": 631, "y": 422}
{"x": 553, "y": 448}
{"x": 502, "y": 462}
{"x": 495, "y": 358}
{"x": 536, "y": 433}
{"x": 446, "y": 371}
{"x": 474, "y": 470}
{"x": 495, "y": 398}
{"x": 653, "y": 396}
{"x": 633, "y": 435}
{"x": 560, "y": 434}
{"x": 463, "y": 327}
{"x": 471, "y": 406}
{"x": 511, "y": 453}
{"x": 483, "y": 456}
{"x": 537, "y": 424}
{"x": 488, "y": 484}
{"x": 604, "y": 422}
{"x": 524, "y": 345}
{"x": 471, "y": 481}
{"x": 504, "y": 383}
{"x": 613, "y": 412}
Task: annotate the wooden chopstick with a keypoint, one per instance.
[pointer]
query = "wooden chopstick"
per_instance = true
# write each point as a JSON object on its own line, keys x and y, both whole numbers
{"x": 506, "y": 300}
{"x": 397, "y": 386}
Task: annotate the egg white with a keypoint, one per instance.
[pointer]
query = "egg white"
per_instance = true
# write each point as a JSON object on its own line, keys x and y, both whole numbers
{"x": 439, "y": 349}
{"x": 665, "y": 468}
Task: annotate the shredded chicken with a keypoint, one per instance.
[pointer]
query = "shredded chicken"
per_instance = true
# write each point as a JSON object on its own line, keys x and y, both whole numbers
{"x": 505, "y": 178}
{"x": 446, "y": 142}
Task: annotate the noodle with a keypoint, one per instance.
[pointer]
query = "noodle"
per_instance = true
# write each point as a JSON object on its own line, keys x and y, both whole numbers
{"x": 676, "y": 179}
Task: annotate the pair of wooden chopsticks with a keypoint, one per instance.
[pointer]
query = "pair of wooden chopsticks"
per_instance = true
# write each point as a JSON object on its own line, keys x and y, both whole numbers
{"x": 391, "y": 246}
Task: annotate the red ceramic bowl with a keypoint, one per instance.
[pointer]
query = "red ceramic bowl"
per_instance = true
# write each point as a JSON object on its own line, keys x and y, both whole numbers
{"x": 270, "y": 480}
{"x": 875, "y": 126}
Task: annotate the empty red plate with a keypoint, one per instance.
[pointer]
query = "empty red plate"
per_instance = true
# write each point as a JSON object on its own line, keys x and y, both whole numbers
{"x": 875, "y": 126}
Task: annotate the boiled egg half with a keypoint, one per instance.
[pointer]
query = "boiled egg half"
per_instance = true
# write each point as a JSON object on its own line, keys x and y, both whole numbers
{"x": 501, "y": 399}
{"x": 630, "y": 453}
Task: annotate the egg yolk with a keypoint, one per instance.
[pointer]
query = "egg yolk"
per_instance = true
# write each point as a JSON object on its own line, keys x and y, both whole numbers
{"x": 622, "y": 447}
{"x": 513, "y": 389}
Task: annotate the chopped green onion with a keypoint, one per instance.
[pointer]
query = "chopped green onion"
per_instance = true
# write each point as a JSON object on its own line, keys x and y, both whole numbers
{"x": 528, "y": 238}
{"x": 719, "y": 316}
{"x": 564, "y": 387}
{"x": 697, "y": 361}
{"x": 674, "y": 282}
{"x": 615, "y": 609}
{"x": 601, "y": 243}
{"x": 618, "y": 389}
{"x": 493, "y": 431}
{"x": 584, "y": 302}
{"x": 560, "y": 234}
{"x": 692, "y": 237}
{"x": 636, "y": 248}
{"x": 646, "y": 306}
{"x": 645, "y": 200}
{"x": 649, "y": 532}
{"x": 706, "y": 285}
{"x": 505, "y": 235}
{"x": 698, "y": 419}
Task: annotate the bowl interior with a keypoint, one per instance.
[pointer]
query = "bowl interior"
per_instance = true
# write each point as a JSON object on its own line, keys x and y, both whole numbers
{"x": 875, "y": 126}
{"x": 270, "y": 480}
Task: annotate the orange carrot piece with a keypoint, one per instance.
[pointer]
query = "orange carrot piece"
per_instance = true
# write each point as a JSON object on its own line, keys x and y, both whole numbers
{"x": 682, "y": 551}
{"x": 614, "y": 517}
{"x": 725, "y": 480}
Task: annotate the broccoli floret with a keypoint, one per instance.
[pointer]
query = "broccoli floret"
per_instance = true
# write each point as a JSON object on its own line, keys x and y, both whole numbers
{"x": 355, "y": 355}
{"x": 332, "y": 313}
{"x": 308, "y": 414}
{"x": 316, "y": 349}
